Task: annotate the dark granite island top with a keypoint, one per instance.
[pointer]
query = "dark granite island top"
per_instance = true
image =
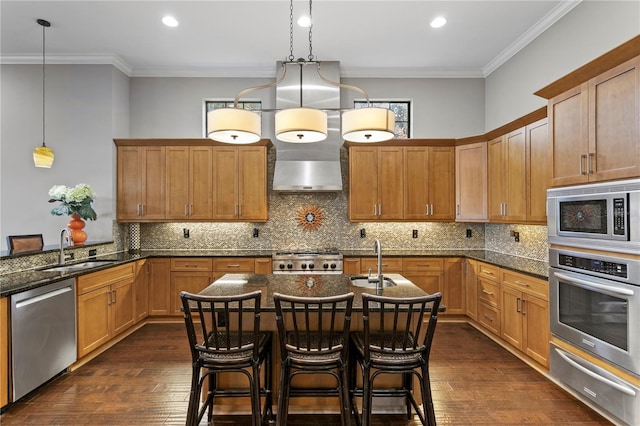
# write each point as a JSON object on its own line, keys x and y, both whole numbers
{"x": 306, "y": 286}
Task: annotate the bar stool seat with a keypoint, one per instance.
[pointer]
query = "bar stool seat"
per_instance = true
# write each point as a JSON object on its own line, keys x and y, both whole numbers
{"x": 225, "y": 337}
{"x": 395, "y": 341}
{"x": 314, "y": 339}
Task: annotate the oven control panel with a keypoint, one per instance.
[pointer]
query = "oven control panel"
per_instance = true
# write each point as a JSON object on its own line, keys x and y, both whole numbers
{"x": 594, "y": 265}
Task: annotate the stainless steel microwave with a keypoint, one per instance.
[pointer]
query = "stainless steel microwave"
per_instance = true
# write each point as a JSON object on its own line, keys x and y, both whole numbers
{"x": 603, "y": 215}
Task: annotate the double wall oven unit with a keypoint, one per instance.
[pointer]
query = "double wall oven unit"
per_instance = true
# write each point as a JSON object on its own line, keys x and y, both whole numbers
{"x": 323, "y": 261}
{"x": 594, "y": 294}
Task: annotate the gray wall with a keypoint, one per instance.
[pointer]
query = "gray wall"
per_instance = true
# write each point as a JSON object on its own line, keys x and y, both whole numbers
{"x": 591, "y": 29}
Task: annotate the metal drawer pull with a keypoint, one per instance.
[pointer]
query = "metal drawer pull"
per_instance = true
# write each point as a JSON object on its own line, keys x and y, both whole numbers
{"x": 234, "y": 265}
{"x": 490, "y": 293}
{"x": 114, "y": 296}
{"x": 521, "y": 283}
{"x": 484, "y": 271}
{"x": 596, "y": 376}
{"x": 487, "y": 317}
{"x": 190, "y": 265}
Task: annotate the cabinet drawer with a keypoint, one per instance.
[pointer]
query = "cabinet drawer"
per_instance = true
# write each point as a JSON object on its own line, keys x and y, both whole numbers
{"x": 489, "y": 292}
{"x": 526, "y": 284}
{"x": 491, "y": 272}
{"x": 233, "y": 264}
{"x": 95, "y": 280}
{"x": 191, "y": 264}
{"x": 489, "y": 317}
{"x": 389, "y": 265}
{"x": 417, "y": 264}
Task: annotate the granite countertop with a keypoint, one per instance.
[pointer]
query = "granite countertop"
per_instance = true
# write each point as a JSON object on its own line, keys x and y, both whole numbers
{"x": 16, "y": 282}
{"x": 306, "y": 286}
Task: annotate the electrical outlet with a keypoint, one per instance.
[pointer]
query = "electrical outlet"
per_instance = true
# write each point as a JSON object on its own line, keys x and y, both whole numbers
{"x": 469, "y": 233}
{"x": 363, "y": 233}
{"x": 414, "y": 234}
{"x": 256, "y": 233}
{"x": 185, "y": 232}
{"x": 516, "y": 237}
{"x": 93, "y": 252}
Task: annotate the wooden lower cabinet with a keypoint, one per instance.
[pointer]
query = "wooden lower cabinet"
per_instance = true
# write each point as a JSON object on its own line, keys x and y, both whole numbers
{"x": 191, "y": 282}
{"x": 489, "y": 297}
{"x": 454, "y": 286}
{"x": 351, "y": 265}
{"x": 142, "y": 290}
{"x": 105, "y": 306}
{"x": 4, "y": 351}
{"x": 263, "y": 265}
{"x": 159, "y": 286}
{"x": 471, "y": 288}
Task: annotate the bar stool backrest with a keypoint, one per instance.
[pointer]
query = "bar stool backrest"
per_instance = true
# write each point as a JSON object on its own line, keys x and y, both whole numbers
{"x": 399, "y": 324}
{"x": 229, "y": 325}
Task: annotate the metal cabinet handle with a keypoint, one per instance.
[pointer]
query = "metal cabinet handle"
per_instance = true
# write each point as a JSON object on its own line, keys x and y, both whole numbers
{"x": 379, "y": 209}
{"x": 582, "y": 158}
{"x": 457, "y": 209}
{"x": 114, "y": 296}
{"x": 233, "y": 265}
{"x": 484, "y": 271}
{"x": 518, "y": 305}
{"x": 590, "y": 169}
{"x": 487, "y": 317}
{"x": 490, "y": 293}
{"x": 521, "y": 283}
{"x": 505, "y": 209}
{"x": 523, "y": 305}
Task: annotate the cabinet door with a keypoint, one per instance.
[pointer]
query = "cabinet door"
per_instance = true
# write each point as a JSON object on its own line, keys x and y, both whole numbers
{"x": 122, "y": 306}
{"x": 471, "y": 288}
{"x": 454, "y": 289}
{"x": 442, "y": 189}
{"x": 363, "y": 183}
{"x": 177, "y": 181}
{"x": 512, "y": 318}
{"x": 141, "y": 290}
{"x": 252, "y": 193}
{"x": 94, "y": 319}
{"x": 471, "y": 182}
{"x": 515, "y": 209}
{"x": 496, "y": 178}
{"x": 568, "y": 131}
{"x": 129, "y": 185}
{"x": 263, "y": 265}
{"x": 614, "y": 126}
{"x": 192, "y": 282}
{"x": 200, "y": 182}
{"x": 428, "y": 281}
{"x": 536, "y": 329}
{"x": 390, "y": 183}
{"x": 351, "y": 265}
{"x": 159, "y": 286}
{"x": 538, "y": 171}
{"x": 225, "y": 183}
{"x": 153, "y": 183}
{"x": 416, "y": 183}
{"x": 4, "y": 351}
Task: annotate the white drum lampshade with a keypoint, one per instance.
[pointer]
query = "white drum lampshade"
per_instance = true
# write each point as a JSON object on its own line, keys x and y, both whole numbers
{"x": 301, "y": 125}
{"x": 233, "y": 125}
{"x": 368, "y": 124}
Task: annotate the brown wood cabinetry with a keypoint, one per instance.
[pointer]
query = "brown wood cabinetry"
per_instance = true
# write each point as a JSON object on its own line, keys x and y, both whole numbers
{"x": 239, "y": 183}
{"x": 454, "y": 286}
{"x": 425, "y": 272}
{"x": 538, "y": 170}
{"x": 105, "y": 306}
{"x": 471, "y": 288}
{"x": 351, "y": 265}
{"x": 375, "y": 183}
{"x": 525, "y": 315}
{"x": 429, "y": 189}
{"x": 189, "y": 180}
{"x": 471, "y": 182}
{"x": 141, "y": 290}
{"x": 390, "y": 265}
{"x": 190, "y": 274}
{"x": 489, "y": 297}
{"x": 159, "y": 286}
{"x": 506, "y": 177}
{"x": 263, "y": 265}
{"x": 595, "y": 128}
{"x": 141, "y": 183}
{"x": 4, "y": 351}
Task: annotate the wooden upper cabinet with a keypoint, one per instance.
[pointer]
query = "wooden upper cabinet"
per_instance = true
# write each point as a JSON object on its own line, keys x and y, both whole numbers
{"x": 471, "y": 182}
{"x": 538, "y": 170}
{"x": 239, "y": 182}
{"x": 141, "y": 183}
{"x": 595, "y": 128}
{"x": 506, "y": 177}
{"x": 375, "y": 183}
{"x": 189, "y": 180}
{"x": 429, "y": 176}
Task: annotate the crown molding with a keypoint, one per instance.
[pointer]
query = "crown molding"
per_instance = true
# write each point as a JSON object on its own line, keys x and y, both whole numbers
{"x": 114, "y": 60}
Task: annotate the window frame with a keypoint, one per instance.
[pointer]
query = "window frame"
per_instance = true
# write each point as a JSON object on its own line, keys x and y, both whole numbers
{"x": 228, "y": 102}
{"x": 407, "y": 101}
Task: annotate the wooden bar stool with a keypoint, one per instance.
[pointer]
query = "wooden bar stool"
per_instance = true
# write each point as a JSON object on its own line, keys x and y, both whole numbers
{"x": 314, "y": 339}
{"x": 227, "y": 339}
{"x": 395, "y": 341}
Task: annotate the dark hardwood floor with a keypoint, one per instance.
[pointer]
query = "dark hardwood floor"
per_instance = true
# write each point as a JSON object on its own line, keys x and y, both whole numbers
{"x": 144, "y": 380}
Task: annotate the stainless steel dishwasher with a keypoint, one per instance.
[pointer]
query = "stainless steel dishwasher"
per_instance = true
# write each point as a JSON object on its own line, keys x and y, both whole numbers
{"x": 43, "y": 334}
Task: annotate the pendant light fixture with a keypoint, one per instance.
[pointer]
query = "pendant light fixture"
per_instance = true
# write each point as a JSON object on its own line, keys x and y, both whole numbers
{"x": 43, "y": 155}
{"x": 301, "y": 124}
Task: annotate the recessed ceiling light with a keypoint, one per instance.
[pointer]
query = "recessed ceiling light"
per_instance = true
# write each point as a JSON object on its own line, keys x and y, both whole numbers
{"x": 438, "y": 22}
{"x": 170, "y": 21}
{"x": 304, "y": 21}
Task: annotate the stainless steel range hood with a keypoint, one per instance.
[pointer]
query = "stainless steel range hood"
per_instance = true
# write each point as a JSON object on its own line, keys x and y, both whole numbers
{"x": 312, "y": 166}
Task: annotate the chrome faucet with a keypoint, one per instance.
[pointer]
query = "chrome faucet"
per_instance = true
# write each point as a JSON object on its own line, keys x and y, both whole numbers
{"x": 377, "y": 249}
{"x": 61, "y": 256}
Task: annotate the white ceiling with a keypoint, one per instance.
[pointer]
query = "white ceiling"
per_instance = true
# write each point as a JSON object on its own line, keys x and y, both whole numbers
{"x": 370, "y": 38}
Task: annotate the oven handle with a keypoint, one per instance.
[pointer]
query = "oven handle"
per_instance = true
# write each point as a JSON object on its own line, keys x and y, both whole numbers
{"x": 622, "y": 291}
{"x": 621, "y": 388}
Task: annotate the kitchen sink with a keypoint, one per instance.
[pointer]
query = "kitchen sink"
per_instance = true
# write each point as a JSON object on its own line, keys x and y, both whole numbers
{"x": 78, "y": 266}
{"x": 360, "y": 281}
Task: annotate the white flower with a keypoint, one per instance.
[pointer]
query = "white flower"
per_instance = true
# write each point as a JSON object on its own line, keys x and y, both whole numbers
{"x": 57, "y": 192}
{"x": 80, "y": 192}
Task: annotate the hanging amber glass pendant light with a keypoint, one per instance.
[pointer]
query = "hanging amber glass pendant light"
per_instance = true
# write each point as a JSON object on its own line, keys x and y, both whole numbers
{"x": 43, "y": 155}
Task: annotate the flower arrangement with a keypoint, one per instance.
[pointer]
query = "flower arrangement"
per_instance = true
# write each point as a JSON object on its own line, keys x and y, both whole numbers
{"x": 74, "y": 200}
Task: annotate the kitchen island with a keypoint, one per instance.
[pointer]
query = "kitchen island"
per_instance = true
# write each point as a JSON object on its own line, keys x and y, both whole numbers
{"x": 305, "y": 286}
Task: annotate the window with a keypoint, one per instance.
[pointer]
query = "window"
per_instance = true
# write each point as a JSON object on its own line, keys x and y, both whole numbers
{"x": 402, "y": 109}
{"x": 211, "y": 104}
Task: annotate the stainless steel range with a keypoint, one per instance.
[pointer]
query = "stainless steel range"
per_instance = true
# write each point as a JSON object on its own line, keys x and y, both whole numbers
{"x": 323, "y": 261}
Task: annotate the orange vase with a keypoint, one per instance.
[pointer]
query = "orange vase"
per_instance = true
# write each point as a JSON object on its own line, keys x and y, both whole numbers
{"x": 76, "y": 225}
